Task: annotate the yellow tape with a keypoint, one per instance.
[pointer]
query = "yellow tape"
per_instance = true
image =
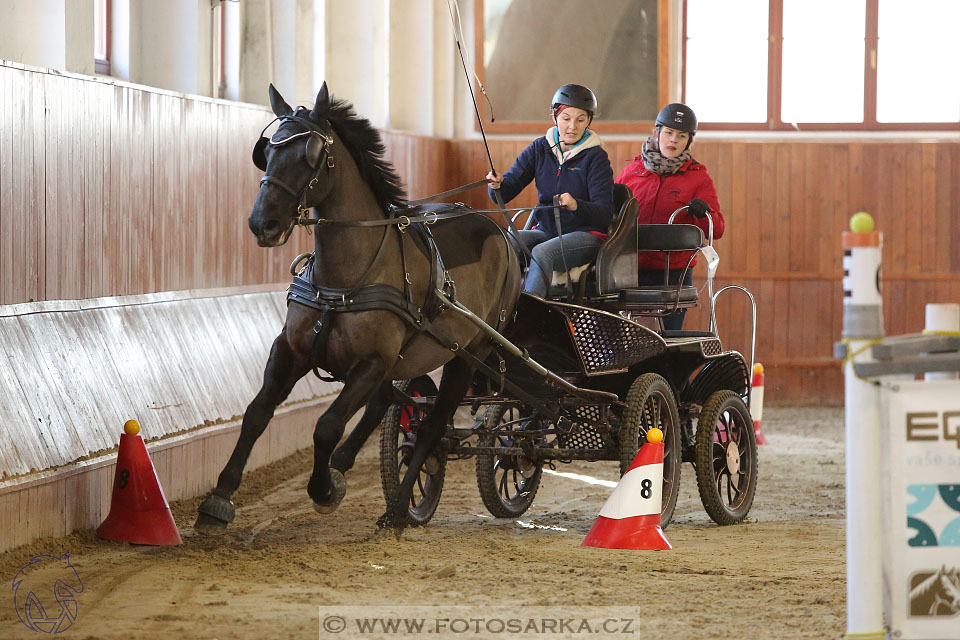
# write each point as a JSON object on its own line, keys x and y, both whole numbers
{"x": 931, "y": 332}
{"x": 852, "y": 354}
{"x": 868, "y": 635}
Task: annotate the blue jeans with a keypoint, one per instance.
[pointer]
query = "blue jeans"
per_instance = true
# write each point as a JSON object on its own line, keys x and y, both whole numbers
{"x": 674, "y": 321}
{"x": 579, "y": 247}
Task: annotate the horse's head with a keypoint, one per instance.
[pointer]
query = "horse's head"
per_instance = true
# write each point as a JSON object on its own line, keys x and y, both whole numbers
{"x": 297, "y": 165}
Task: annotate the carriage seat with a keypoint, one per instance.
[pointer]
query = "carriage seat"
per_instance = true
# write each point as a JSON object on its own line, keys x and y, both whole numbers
{"x": 616, "y": 264}
{"x": 666, "y": 238}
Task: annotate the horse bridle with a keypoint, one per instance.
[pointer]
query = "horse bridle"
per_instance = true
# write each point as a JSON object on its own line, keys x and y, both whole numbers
{"x": 317, "y": 150}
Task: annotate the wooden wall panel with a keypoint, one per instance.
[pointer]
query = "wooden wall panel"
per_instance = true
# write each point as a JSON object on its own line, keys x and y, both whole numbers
{"x": 21, "y": 180}
{"x": 112, "y": 189}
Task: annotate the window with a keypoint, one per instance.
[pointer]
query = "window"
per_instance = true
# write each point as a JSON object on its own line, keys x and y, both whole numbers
{"x": 101, "y": 36}
{"x": 822, "y": 64}
{"x": 219, "y": 38}
{"x": 226, "y": 49}
{"x": 523, "y": 53}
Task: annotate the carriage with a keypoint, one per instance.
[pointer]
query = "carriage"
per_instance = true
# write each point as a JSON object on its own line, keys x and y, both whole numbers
{"x": 395, "y": 289}
{"x": 583, "y": 375}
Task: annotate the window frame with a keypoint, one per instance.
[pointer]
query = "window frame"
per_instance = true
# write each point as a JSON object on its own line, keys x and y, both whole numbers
{"x": 219, "y": 89}
{"x": 102, "y": 65}
{"x": 775, "y": 82}
{"x": 664, "y": 41}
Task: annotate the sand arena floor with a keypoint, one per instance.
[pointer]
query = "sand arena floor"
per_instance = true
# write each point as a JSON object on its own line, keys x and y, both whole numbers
{"x": 779, "y": 575}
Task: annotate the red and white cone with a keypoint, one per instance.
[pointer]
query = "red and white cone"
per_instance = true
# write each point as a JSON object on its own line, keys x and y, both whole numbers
{"x": 756, "y": 402}
{"x": 630, "y": 518}
{"x": 139, "y": 512}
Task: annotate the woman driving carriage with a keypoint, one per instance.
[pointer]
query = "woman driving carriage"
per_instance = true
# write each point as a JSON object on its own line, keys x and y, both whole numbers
{"x": 663, "y": 178}
{"x": 568, "y": 161}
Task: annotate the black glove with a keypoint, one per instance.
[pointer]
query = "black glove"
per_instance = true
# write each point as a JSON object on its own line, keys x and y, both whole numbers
{"x": 699, "y": 208}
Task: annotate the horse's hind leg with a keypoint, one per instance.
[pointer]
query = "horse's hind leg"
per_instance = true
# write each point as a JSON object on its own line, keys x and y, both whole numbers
{"x": 279, "y": 376}
{"x": 346, "y": 454}
{"x": 456, "y": 379}
{"x": 327, "y": 486}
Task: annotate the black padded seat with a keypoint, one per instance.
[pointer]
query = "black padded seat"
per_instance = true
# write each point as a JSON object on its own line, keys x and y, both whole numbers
{"x": 663, "y": 238}
{"x": 616, "y": 265}
{"x": 659, "y": 296}
{"x": 669, "y": 237}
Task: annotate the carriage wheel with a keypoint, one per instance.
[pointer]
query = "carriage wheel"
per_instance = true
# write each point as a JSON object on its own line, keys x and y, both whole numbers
{"x": 726, "y": 454}
{"x": 398, "y": 436}
{"x": 508, "y": 484}
{"x": 650, "y": 403}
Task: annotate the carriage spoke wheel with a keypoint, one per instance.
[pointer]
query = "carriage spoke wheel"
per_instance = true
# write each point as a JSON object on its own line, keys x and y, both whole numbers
{"x": 726, "y": 453}
{"x": 508, "y": 484}
{"x": 398, "y": 437}
{"x": 650, "y": 403}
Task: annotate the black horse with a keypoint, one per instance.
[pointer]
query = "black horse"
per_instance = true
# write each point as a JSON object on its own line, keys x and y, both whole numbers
{"x": 329, "y": 159}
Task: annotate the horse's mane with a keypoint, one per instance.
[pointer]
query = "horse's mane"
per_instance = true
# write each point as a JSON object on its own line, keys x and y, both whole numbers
{"x": 365, "y": 145}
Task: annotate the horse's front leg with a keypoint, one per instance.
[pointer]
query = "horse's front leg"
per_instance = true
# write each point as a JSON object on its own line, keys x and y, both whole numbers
{"x": 346, "y": 454}
{"x": 456, "y": 379}
{"x": 327, "y": 486}
{"x": 283, "y": 370}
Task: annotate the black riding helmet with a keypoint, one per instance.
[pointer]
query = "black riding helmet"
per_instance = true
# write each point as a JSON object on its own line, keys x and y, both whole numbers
{"x": 679, "y": 117}
{"x": 575, "y": 95}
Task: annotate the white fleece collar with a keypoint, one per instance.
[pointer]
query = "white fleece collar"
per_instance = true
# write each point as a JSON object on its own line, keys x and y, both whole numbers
{"x": 590, "y": 139}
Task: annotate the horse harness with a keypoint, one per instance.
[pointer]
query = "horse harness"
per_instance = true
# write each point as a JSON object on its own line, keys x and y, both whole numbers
{"x": 372, "y": 297}
{"x": 376, "y": 296}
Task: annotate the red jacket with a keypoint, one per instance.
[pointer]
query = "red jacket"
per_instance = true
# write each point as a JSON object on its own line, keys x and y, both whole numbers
{"x": 659, "y": 196}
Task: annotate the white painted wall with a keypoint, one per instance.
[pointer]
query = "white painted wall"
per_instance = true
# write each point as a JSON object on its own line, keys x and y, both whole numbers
{"x": 57, "y": 34}
{"x": 411, "y": 52}
{"x": 356, "y": 55}
{"x": 78, "y": 36}
{"x": 173, "y": 35}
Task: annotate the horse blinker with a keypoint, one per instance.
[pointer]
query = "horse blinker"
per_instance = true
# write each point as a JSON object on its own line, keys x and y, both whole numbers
{"x": 260, "y": 153}
{"x": 314, "y": 148}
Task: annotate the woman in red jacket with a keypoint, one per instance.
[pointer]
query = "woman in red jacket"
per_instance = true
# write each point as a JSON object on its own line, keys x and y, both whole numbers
{"x": 663, "y": 178}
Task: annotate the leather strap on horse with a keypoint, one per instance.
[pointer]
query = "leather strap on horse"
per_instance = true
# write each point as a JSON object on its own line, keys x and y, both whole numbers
{"x": 460, "y": 210}
{"x": 447, "y": 194}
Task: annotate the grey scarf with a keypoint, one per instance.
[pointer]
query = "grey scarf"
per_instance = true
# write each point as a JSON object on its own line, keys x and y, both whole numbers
{"x": 654, "y": 161}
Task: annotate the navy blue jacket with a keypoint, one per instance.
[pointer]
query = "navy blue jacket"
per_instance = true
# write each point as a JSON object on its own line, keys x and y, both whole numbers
{"x": 586, "y": 176}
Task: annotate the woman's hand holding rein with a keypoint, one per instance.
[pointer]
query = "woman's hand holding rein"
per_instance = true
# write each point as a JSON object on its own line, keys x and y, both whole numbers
{"x": 568, "y": 201}
{"x": 495, "y": 180}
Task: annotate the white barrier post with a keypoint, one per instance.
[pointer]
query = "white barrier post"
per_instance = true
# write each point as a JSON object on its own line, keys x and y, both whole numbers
{"x": 942, "y": 319}
{"x": 862, "y": 326}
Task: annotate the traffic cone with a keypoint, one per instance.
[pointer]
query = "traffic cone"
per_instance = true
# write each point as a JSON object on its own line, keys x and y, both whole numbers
{"x": 630, "y": 518}
{"x": 139, "y": 512}
{"x": 756, "y": 402}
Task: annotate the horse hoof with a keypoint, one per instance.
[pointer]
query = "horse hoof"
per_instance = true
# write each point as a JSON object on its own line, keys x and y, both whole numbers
{"x": 209, "y": 526}
{"x": 213, "y": 515}
{"x": 338, "y": 489}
